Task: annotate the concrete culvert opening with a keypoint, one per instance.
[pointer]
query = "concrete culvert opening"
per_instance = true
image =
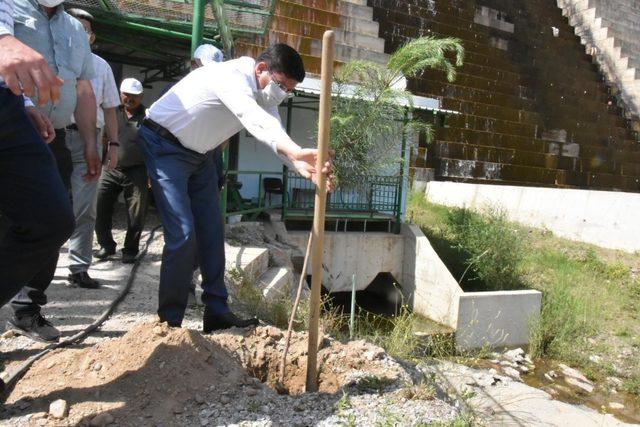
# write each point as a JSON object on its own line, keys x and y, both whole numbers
{"x": 383, "y": 296}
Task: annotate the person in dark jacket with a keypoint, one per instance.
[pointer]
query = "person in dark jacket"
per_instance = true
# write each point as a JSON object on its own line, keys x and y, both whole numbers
{"x": 130, "y": 177}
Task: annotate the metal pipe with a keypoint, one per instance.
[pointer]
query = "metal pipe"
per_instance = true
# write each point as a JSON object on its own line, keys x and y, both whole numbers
{"x": 197, "y": 24}
{"x": 149, "y": 29}
{"x": 219, "y": 13}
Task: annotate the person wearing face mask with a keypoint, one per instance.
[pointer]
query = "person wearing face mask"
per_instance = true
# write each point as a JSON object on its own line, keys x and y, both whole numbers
{"x": 44, "y": 26}
{"x": 130, "y": 177}
{"x": 178, "y": 138}
{"x": 84, "y": 194}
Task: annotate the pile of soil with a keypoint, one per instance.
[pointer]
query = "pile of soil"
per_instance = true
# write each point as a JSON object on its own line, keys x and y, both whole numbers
{"x": 154, "y": 373}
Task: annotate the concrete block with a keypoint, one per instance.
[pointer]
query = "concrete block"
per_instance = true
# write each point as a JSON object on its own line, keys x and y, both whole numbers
{"x": 356, "y": 39}
{"x": 346, "y": 53}
{"x": 362, "y": 254}
{"x": 276, "y": 283}
{"x": 251, "y": 261}
{"x": 355, "y": 10}
{"x": 362, "y": 26}
{"x": 496, "y": 319}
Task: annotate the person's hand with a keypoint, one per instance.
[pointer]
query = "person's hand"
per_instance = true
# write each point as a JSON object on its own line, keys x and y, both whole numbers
{"x": 112, "y": 157}
{"x": 304, "y": 161}
{"x": 24, "y": 70}
{"x": 94, "y": 165}
{"x": 42, "y": 124}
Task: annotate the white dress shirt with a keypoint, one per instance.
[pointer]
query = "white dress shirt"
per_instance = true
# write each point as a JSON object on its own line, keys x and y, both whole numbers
{"x": 104, "y": 88}
{"x": 213, "y": 103}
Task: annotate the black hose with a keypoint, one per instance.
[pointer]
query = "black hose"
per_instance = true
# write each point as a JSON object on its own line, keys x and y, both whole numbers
{"x": 15, "y": 376}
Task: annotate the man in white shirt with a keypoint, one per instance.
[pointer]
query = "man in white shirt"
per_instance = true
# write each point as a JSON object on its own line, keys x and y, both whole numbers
{"x": 84, "y": 194}
{"x": 178, "y": 139}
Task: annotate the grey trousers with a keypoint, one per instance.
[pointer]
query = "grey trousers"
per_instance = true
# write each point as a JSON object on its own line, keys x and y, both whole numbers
{"x": 84, "y": 197}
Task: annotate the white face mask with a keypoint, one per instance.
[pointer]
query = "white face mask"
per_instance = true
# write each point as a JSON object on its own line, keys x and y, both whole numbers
{"x": 272, "y": 95}
{"x": 50, "y": 3}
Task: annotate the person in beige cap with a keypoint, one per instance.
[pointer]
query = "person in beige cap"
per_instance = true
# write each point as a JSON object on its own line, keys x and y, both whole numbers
{"x": 130, "y": 177}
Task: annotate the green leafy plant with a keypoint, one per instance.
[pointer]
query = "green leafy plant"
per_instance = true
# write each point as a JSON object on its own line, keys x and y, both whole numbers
{"x": 370, "y": 119}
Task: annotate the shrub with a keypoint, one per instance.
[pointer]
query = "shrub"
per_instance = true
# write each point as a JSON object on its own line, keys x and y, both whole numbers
{"x": 492, "y": 244}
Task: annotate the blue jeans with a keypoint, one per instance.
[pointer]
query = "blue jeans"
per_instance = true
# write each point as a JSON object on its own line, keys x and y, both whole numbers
{"x": 35, "y": 204}
{"x": 185, "y": 188}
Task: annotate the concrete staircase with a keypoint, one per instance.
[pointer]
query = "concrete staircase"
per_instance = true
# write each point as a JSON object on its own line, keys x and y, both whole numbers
{"x": 610, "y": 31}
{"x": 301, "y": 24}
{"x": 262, "y": 267}
{"x": 534, "y": 108}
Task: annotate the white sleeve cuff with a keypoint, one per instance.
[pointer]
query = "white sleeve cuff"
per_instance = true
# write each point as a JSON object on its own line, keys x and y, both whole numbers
{"x": 28, "y": 102}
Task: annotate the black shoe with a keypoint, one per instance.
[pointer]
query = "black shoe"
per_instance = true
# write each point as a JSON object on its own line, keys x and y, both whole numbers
{"x": 128, "y": 258}
{"x": 214, "y": 322}
{"x": 104, "y": 253}
{"x": 83, "y": 280}
{"x": 35, "y": 327}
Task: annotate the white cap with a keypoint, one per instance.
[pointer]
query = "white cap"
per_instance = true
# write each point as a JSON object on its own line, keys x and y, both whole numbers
{"x": 132, "y": 86}
{"x": 208, "y": 53}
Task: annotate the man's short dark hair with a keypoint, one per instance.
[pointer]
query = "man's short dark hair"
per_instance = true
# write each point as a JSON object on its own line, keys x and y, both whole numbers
{"x": 81, "y": 14}
{"x": 282, "y": 58}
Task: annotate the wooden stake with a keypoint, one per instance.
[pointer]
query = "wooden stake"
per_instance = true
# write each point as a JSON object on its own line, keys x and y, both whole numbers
{"x": 326, "y": 79}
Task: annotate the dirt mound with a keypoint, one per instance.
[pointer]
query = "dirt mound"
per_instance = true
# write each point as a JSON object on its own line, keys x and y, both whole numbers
{"x": 154, "y": 373}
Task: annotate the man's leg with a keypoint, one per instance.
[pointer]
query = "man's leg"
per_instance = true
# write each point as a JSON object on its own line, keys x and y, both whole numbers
{"x": 169, "y": 168}
{"x": 205, "y": 205}
{"x": 34, "y": 201}
{"x": 136, "y": 198}
{"x": 108, "y": 190}
{"x": 83, "y": 196}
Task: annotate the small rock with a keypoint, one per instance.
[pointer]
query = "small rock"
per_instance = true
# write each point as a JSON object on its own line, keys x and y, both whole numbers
{"x": 595, "y": 358}
{"x": 616, "y": 406}
{"x": 508, "y": 363}
{"x": 614, "y": 381}
{"x": 511, "y": 372}
{"x": 225, "y": 399}
{"x": 573, "y": 373}
{"x": 8, "y": 334}
{"x": 161, "y": 365}
{"x": 97, "y": 367}
{"x": 59, "y": 409}
{"x": 516, "y": 355}
{"x": 102, "y": 420}
{"x": 585, "y": 386}
{"x": 523, "y": 368}
{"x": 199, "y": 399}
{"x": 51, "y": 364}
{"x": 251, "y": 391}
{"x": 178, "y": 409}
{"x": 549, "y": 377}
{"x": 159, "y": 331}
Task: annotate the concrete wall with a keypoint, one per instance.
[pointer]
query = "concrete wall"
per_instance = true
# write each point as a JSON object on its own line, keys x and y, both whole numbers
{"x": 426, "y": 282}
{"x": 604, "y": 218}
{"x": 496, "y": 319}
{"x": 362, "y": 254}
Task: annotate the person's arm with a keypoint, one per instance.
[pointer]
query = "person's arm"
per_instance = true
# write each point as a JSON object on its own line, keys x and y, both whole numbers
{"x": 22, "y": 68}
{"x": 267, "y": 129}
{"x": 85, "y": 115}
{"x": 111, "y": 130}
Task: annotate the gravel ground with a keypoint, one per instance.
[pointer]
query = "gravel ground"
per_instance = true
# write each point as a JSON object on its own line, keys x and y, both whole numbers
{"x": 72, "y": 309}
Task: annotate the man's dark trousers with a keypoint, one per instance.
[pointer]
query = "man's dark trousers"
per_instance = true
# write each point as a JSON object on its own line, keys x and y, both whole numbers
{"x": 185, "y": 188}
{"x": 34, "y": 201}
{"x": 133, "y": 182}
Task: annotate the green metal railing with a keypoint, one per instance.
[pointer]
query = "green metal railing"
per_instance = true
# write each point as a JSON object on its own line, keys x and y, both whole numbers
{"x": 234, "y": 204}
{"x": 378, "y": 195}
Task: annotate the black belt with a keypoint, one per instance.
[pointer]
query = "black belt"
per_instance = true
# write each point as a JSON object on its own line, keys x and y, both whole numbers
{"x": 160, "y": 130}
{"x": 72, "y": 126}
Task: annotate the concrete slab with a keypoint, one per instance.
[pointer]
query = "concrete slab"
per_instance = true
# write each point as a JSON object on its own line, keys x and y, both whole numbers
{"x": 603, "y": 218}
